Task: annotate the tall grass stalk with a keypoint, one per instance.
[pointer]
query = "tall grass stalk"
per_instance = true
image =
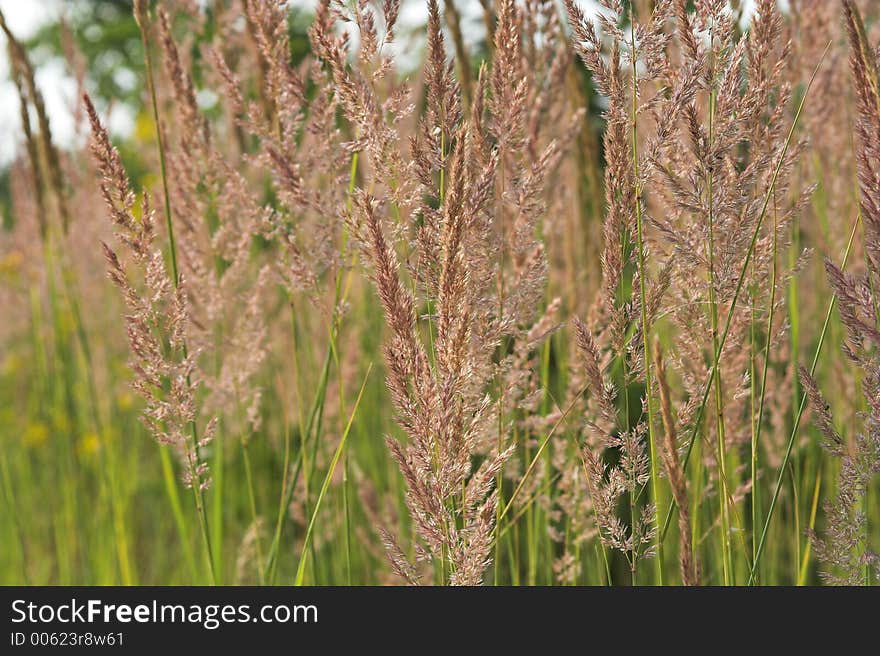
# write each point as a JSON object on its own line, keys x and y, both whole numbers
{"x": 643, "y": 303}
{"x": 141, "y": 12}
{"x": 797, "y": 419}
{"x": 721, "y": 451}
{"x": 759, "y": 421}
{"x": 340, "y": 294}
{"x": 740, "y": 280}
{"x": 300, "y": 570}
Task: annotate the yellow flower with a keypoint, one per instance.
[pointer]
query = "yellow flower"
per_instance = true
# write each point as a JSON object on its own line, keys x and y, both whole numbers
{"x": 88, "y": 444}
{"x": 35, "y": 435}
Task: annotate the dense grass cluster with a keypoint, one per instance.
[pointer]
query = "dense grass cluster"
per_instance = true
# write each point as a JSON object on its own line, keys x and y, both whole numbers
{"x": 547, "y": 310}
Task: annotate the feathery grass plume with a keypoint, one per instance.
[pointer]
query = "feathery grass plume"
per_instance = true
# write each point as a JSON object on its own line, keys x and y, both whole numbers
{"x": 525, "y": 121}
{"x": 433, "y": 404}
{"x": 429, "y": 148}
{"x": 475, "y": 261}
{"x": 20, "y": 68}
{"x": 41, "y": 149}
{"x": 609, "y": 485}
{"x": 222, "y": 276}
{"x": 605, "y": 486}
{"x": 158, "y": 318}
{"x": 747, "y": 99}
{"x": 438, "y": 407}
{"x": 710, "y": 98}
{"x": 617, "y": 224}
{"x": 301, "y": 154}
{"x": 625, "y": 180}
{"x": 747, "y": 102}
{"x": 843, "y": 547}
{"x": 432, "y": 467}
{"x": 531, "y": 130}
{"x": 299, "y": 146}
{"x": 866, "y": 81}
{"x": 215, "y": 224}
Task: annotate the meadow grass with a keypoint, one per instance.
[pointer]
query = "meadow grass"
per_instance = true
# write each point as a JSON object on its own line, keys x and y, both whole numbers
{"x": 535, "y": 312}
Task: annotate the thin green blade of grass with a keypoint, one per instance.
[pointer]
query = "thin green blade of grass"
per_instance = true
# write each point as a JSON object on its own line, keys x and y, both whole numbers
{"x": 177, "y": 510}
{"x": 533, "y": 463}
{"x": 805, "y": 561}
{"x": 287, "y": 494}
{"x": 797, "y": 420}
{"x": 300, "y": 570}
{"x": 646, "y": 327}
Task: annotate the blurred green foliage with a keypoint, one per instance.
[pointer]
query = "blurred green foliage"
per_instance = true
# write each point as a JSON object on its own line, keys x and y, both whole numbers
{"x": 105, "y": 33}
